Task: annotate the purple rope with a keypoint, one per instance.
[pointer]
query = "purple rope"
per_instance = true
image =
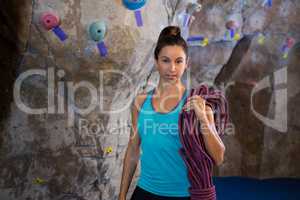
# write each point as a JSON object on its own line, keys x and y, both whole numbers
{"x": 193, "y": 151}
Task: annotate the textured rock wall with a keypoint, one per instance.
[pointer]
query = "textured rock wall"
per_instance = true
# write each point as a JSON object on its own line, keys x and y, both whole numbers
{"x": 64, "y": 154}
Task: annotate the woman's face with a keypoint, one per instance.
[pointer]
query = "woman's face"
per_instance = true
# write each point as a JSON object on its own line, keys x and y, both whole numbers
{"x": 171, "y": 63}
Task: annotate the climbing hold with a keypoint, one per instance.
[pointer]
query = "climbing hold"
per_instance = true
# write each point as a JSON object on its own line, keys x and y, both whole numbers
{"x": 290, "y": 42}
{"x": 261, "y": 38}
{"x": 193, "y": 7}
{"x": 108, "y": 149}
{"x": 136, "y": 5}
{"x": 267, "y": 3}
{"x": 187, "y": 14}
{"x": 97, "y": 32}
{"x": 204, "y": 42}
{"x": 51, "y": 21}
{"x": 39, "y": 181}
{"x": 236, "y": 36}
{"x": 287, "y": 46}
{"x": 198, "y": 40}
{"x": 232, "y": 27}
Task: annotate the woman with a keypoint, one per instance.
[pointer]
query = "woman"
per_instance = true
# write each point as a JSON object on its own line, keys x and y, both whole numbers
{"x": 155, "y": 128}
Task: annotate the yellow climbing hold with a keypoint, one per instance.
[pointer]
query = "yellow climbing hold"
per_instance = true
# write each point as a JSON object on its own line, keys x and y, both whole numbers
{"x": 39, "y": 181}
{"x": 285, "y": 55}
{"x": 108, "y": 149}
{"x": 204, "y": 42}
{"x": 236, "y": 37}
{"x": 261, "y": 39}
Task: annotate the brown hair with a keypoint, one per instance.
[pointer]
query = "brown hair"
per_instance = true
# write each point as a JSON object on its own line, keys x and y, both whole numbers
{"x": 170, "y": 35}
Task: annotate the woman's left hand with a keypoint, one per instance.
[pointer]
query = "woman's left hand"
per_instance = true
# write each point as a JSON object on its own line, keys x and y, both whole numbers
{"x": 205, "y": 115}
{"x": 197, "y": 103}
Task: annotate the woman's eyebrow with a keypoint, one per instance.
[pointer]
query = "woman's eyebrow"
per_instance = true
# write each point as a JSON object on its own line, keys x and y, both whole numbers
{"x": 169, "y": 58}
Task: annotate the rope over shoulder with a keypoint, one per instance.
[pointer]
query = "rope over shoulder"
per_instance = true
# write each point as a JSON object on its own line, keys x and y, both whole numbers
{"x": 193, "y": 151}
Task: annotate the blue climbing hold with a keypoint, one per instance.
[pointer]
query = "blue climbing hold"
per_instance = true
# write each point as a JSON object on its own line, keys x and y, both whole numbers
{"x": 134, "y": 4}
{"x": 97, "y": 31}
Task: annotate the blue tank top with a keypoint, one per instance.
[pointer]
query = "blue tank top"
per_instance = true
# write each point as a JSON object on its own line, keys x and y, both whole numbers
{"x": 163, "y": 171}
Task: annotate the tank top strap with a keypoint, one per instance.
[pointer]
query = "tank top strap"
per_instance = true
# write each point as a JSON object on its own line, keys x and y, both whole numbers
{"x": 147, "y": 102}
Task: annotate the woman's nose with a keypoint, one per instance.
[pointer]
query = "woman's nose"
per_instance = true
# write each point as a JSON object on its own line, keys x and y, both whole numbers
{"x": 173, "y": 66}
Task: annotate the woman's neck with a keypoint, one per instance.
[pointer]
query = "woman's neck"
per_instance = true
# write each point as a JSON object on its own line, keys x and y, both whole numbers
{"x": 167, "y": 89}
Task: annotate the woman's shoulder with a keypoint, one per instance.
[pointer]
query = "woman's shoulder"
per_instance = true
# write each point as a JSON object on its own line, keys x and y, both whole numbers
{"x": 140, "y": 99}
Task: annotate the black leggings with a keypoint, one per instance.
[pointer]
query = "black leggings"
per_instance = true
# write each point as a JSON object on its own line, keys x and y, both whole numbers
{"x": 141, "y": 194}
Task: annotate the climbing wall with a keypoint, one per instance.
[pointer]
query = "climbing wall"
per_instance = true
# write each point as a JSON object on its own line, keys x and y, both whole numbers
{"x": 71, "y": 69}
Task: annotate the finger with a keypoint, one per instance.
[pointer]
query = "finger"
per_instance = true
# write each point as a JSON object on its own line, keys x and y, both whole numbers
{"x": 198, "y": 98}
{"x": 189, "y": 103}
{"x": 196, "y": 102}
{"x": 194, "y": 97}
{"x": 192, "y": 101}
{"x": 188, "y": 109}
{"x": 188, "y": 106}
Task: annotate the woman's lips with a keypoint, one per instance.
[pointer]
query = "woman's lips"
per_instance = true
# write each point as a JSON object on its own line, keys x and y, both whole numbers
{"x": 171, "y": 76}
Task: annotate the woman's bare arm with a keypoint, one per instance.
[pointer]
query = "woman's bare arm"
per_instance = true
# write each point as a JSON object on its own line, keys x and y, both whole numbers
{"x": 132, "y": 152}
{"x": 213, "y": 142}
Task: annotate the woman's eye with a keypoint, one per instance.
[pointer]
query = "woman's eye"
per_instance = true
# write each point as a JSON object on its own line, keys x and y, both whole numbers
{"x": 179, "y": 61}
{"x": 165, "y": 61}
